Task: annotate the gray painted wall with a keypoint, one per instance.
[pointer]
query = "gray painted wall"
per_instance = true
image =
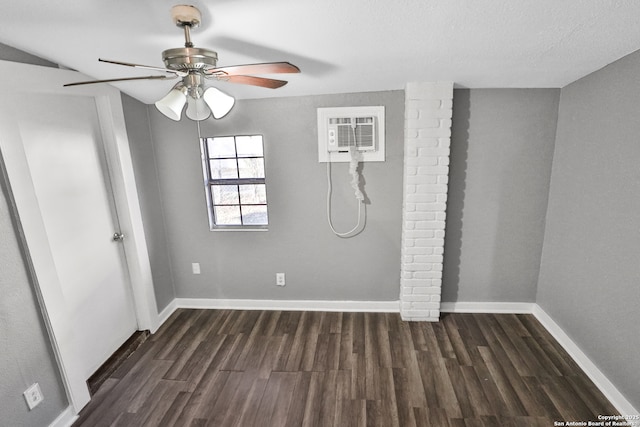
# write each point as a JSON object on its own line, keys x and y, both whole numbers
{"x": 501, "y": 153}
{"x": 318, "y": 265}
{"x": 9, "y": 53}
{"x": 143, "y": 156}
{"x": 502, "y": 148}
{"x": 26, "y": 356}
{"x": 590, "y": 270}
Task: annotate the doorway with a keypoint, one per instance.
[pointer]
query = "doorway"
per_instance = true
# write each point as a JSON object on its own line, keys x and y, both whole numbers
{"x": 69, "y": 167}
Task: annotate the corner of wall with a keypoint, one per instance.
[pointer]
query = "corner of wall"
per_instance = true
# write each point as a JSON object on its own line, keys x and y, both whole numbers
{"x": 161, "y": 200}
{"x": 546, "y": 217}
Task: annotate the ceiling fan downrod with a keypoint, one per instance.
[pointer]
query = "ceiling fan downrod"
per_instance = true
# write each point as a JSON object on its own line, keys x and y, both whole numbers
{"x": 186, "y": 17}
{"x": 187, "y": 36}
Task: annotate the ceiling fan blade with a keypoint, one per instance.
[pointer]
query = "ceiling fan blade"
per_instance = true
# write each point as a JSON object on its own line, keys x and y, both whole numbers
{"x": 145, "y": 67}
{"x": 263, "y": 68}
{"x": 90, "y": 82}
{"x": 254, "y": 81}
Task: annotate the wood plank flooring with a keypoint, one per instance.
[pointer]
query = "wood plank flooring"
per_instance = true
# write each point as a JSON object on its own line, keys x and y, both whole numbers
{"x": 96, "y": 380}
{"x": 286, "y": 368}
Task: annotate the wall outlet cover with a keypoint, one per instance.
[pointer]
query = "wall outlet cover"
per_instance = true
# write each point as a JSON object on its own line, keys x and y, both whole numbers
{"x": 33, "y": 396}
{"x": 195, "y": 267}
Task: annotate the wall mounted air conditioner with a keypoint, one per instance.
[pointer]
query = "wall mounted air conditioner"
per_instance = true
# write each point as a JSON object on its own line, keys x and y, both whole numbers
{"x": 356, "y": 132}
{"x": 360, "y": 128}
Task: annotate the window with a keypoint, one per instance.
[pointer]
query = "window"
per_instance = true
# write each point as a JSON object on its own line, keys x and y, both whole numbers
{"x": 236, "y": 192}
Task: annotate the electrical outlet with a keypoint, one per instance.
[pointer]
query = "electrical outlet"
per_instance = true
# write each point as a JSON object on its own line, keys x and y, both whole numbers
{"x": 33, "y": 396}
{"x": 280, "y": 279}
{"x": 195, "y": 267}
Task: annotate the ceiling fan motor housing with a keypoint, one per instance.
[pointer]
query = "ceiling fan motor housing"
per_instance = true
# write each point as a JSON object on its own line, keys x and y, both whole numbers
{"x": 189, "y": 58}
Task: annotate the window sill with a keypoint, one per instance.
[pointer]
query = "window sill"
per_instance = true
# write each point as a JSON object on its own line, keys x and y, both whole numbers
{"x": 239, "y": 228}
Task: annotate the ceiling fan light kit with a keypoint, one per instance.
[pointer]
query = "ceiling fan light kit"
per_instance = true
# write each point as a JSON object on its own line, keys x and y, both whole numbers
{"x": 197, "y": 109}
{"x": 194, "y": 66}
{"x": 173, "y": 103}
{"x": 201, "y": 102}
{"x": 219, "y": 102}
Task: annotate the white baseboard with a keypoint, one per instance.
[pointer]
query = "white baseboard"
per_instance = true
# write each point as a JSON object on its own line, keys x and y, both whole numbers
{"x": 608, "y": 389}
{"x": 295, "y": 305}
{"x": 599, "y": 379}
{"x": 166, "y": 313}
{"x": 65, "y": 419}
{"x": 292, "y": 305}
{"x": 487, "y": 307}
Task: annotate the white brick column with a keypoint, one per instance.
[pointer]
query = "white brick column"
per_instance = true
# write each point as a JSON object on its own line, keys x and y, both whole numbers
{"x": 427, "y": 138}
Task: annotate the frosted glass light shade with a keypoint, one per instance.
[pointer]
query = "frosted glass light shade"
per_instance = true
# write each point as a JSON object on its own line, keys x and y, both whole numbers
{"x": 219, "y": 102}
{"x": 172, "y": 104}
{"x": 197, "y": 109}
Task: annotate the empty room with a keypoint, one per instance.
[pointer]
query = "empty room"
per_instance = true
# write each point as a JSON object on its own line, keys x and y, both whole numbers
{"x": 363, "y": 213}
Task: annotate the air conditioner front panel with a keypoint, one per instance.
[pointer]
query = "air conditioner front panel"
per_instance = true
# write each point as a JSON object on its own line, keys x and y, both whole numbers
{"x": 340, "y": 128}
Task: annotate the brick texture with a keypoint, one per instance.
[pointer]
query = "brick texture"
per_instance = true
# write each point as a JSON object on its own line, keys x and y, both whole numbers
{"x": 428, "y": 111}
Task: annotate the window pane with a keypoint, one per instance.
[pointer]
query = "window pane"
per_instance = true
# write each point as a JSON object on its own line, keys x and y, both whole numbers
{"x": 221, "y": 147}
{"x": 249, "y": 146}
{"x": 232, "y": 160}
{"x": 253, "y": 194}
{"x": 227, "y": 215}
{"x": 225, "y": 194}
{"x": 224, "y": 169}
{"x": 254, "y": 215}
{"x": 251, "y": 168}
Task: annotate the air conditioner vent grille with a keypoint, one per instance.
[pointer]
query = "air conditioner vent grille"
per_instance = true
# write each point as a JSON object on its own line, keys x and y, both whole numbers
{"x": 356, "y": 132}
{"x": 362, "y": 137}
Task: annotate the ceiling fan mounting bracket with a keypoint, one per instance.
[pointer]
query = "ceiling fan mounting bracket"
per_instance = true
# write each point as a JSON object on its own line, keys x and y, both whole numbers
{"x": 186, "y": 16}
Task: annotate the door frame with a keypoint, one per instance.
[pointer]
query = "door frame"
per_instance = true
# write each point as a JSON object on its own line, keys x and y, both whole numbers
{"x": 24, "y": 78}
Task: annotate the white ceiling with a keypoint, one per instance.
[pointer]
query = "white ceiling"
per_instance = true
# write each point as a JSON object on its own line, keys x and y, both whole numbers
{"x": 340, "y": 45}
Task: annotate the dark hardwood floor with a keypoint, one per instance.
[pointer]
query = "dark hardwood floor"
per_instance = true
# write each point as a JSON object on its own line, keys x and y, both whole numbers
{"x": 285, "y": 368}
{"x": 96, "y": 380}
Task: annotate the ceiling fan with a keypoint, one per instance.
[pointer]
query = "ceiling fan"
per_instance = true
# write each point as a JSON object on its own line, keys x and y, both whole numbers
{"x": 195, "y": 66}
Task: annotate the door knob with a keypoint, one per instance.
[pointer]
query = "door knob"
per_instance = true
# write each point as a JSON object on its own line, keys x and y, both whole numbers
{"x": 118, "y": 237}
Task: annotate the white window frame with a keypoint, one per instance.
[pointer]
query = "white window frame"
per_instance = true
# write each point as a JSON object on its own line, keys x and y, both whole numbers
{"x": 208, "y": 182}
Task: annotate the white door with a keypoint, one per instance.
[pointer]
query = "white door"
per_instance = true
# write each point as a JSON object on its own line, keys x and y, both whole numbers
{"x": 51, "y": 141}
{"x": 65, "y": 154}
{"x": 53, "y": 145}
